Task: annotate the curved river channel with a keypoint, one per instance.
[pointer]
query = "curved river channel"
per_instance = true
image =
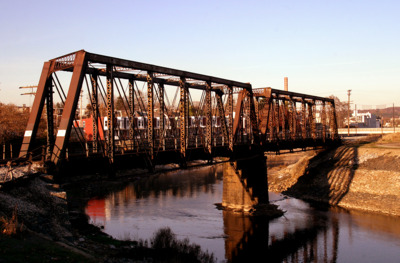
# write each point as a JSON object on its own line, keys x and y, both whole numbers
{"x": 185, "y": 201}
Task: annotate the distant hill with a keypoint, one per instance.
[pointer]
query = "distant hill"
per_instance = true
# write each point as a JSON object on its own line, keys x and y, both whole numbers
{"x": 386, "y": 113}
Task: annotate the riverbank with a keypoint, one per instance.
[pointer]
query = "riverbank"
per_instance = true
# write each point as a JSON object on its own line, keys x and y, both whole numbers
{"x": 38, "y": 224}
{"x": 362, "y": 174}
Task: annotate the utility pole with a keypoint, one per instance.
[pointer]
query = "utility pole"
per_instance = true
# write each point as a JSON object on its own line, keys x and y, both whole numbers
{"x": 355, "y": 113}
{"x": 348, "y": 113}
{"x": 29, "y": 93}
{"x": 394, "y": 124}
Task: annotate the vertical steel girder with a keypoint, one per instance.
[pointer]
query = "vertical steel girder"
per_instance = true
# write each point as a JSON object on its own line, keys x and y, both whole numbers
{"x": 110, "y": 114}
{"x": 131, "y": 105}
{"x": 150, "y": 114}
{"x": 283, "y": 117}
{"x": 71, "y": 102}
{"x": 294, "y": 121}
{"x": 271, "y": 113}
{"x": 323, "y": 121}
{"x": 247, "y": 114}
{"x": 253, "y": 119}
{"x": 162, "y": 107}
{"x": 220, "y": 107}
{"x": 36, "y": 112}
{"x": 290, "y": 119}
{"x": 333, "y": 122}
{"x": 182, "y": 116}
{"x": 208, "y": 118}
{"x": 312, "y": 120}
{"x": 276, "y": 124}
{"x": 230, "y": 116}
{"x": 95, "y": 107}
{"x": 50, "y": 117}
{"x": 257, "y": 108}
{"x": 304, "y": 120}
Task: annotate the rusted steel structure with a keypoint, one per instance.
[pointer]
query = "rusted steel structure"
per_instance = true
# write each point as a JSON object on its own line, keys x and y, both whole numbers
{"x": 294, "y": 120}
{"x": 180, "y": 126}
{"x": 207, "y": 116}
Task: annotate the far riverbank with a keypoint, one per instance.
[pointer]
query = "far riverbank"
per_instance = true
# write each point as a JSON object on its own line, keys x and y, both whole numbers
{"x": 363, "y": 174}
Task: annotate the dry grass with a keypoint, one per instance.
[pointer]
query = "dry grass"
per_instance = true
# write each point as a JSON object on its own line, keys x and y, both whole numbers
{"x": 390, "y": 138}
{"x": 11, "y": 226}
{"x": 166, "y": 245}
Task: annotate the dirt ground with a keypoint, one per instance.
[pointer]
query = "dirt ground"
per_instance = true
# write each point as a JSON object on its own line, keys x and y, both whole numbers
{"x": 363, "y": 174}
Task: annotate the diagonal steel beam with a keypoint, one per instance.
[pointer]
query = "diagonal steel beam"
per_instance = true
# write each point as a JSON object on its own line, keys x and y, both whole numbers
{"x": 64, "y": 130}
{"x": 37, "y": 108}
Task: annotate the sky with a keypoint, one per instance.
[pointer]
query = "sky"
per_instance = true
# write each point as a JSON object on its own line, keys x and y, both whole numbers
{"x": 324, "y": 47}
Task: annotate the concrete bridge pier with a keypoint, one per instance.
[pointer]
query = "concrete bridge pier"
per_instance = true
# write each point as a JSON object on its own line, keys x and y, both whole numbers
{"x": 245, "y": 183}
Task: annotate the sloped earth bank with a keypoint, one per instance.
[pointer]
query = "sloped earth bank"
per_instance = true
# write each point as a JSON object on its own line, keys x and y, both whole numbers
{"x": 37, "y": 224}
{"x": 362, "y": 174}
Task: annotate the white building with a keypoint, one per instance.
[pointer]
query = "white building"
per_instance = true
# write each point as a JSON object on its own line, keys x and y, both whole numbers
{"x": 364, "y": 120}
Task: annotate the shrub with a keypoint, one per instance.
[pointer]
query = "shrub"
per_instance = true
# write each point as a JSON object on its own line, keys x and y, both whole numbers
{"x": 164, "y": 241}
{"x": 11, "y": 226}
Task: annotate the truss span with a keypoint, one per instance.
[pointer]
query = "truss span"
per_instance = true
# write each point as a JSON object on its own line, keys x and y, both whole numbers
{"x": 158, "y": 112}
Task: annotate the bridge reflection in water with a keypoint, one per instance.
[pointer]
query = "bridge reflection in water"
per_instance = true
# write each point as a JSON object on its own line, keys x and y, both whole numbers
{"x": 184, "y": 201}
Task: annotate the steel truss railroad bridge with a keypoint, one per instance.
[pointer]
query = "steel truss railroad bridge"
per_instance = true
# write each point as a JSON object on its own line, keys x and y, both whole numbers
{"x": 194, "y": 115}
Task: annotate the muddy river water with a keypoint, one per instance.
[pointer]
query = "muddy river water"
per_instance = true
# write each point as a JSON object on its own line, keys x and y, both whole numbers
{"x": 185, "y": 201}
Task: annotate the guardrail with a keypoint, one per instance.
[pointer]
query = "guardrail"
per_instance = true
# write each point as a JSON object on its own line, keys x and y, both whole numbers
{"x": 366, "y": 131}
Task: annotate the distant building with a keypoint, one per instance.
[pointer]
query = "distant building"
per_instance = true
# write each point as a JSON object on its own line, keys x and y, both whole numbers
{"x": 363, "y": 120}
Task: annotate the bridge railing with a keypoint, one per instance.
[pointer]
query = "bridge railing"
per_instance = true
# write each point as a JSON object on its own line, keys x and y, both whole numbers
{"x": 361, "y": 131}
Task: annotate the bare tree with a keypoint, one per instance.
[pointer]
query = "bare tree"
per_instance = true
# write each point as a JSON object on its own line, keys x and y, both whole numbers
{"x": 12, "y": 122}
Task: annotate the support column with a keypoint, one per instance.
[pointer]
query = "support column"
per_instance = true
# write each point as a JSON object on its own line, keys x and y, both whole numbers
{"x": 304, "y": 120}
{"x": 276, "y": 124}
{"x": 208, "y": 118}
{"x": 313, "y": 124}
{"x": 110, "y": 115}
{"x": 283, "y": 117}
{"x": 323, "y": 121}
{"x": 333, "y": 122}
{"x": 162, "y": 108}
{"x": 221, "y": 112}
{"x": 182, "y": 117}
{"x": 131, "y": 105}
{"x": 290, "y": 118}
{"x": 230, "y": 117}
{"x": 253, "y": 119}
{"x": 271, "y": 113}
{"x": 68, "y": 115}
{"x": 95, "y": 108}
{"x": 294, "y": 121}
{"x": 50, "y": 117}
{"x": 248, "y": 117}
{"x": 150, "y": 114}
{"x": 36, "y": 112}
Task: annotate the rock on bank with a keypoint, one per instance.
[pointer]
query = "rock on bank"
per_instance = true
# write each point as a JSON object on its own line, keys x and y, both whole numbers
{"x": 355, "y": 175}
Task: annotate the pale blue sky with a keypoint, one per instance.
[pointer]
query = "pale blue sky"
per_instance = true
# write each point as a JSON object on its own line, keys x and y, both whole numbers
{"x": 323, "y": 47}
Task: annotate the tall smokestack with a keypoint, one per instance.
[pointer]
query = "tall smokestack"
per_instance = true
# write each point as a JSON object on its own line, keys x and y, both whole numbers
{"x": 286, "y": 83}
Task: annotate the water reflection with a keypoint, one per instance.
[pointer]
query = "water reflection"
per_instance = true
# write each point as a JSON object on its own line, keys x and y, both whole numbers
{"x": 184, "y": 201}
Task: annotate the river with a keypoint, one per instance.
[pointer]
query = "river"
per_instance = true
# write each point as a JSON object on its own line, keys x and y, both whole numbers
{"x": 184, "y": 201}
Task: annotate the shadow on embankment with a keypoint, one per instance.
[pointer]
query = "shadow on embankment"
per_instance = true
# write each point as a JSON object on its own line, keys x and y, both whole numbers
{"x": 328, "y": 176}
